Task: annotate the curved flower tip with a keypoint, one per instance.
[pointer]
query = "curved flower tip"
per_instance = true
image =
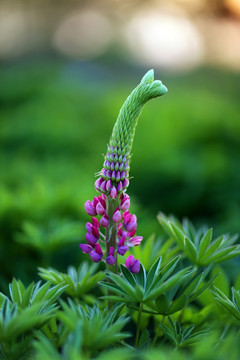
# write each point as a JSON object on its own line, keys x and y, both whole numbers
{"x": 132, "y": 264}
{"x": 148, "y": 78}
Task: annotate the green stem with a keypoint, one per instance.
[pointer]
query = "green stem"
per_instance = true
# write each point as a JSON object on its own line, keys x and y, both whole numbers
{"x": 111, "y": 232}
{"x": 138, "y": 324}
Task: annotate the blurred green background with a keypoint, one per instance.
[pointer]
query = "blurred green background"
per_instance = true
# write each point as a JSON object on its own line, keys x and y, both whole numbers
{"x": 57, "y": 111}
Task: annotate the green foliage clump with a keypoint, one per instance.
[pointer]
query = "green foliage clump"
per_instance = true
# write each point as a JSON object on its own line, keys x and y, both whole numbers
{"x": 180, "y": 305}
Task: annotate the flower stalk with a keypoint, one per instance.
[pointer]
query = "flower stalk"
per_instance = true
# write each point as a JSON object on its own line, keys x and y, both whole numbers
{"x": 113, "y": 203}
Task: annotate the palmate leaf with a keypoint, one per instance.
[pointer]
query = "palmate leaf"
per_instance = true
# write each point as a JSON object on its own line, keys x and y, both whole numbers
{"x": 18, "y": 325}
{"x": 198, "y": 245}
{"x": 26, "y": 310}
{"x": 34, "y": 293}
{"x": 233, "y": 305}
{"x": 161, "y": 291}
{"x": 78, "y": 281}
{"x": 179, "y": 336}
{"x": 100, "y": 328}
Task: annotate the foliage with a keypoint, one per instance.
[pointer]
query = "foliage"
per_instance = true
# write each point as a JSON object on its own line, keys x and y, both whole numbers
{"x": 198, "y": 245}
{"x": 233, "y": 306}
{"x": 78, "y": 281}
{"x": 163, "y": 291}
{"x": 179, "y": 336}
{"x": 183, "y": 288}
{"x": 27, "y": 310}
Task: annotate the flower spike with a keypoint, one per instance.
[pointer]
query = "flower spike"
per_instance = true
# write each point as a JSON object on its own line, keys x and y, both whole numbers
{"x": 113, "y": 204}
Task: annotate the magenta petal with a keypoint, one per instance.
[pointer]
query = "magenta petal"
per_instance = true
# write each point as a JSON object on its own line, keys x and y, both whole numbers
{"x": 122, "y": 250}
{"x": 100, "y": 209}
{"x": 131, "y": 226}
{"x": 135, "y": 241}
{"x": 89, "y": 227}
{"x": 117, "y": 216}
{"x": 125, "y": 205}
{"x": 104, "y": 221}
{"x": 92, "y": 240}
{"x": 103, "y": 186}
{"x": 125, "y": 183}
{"x": 98, "y": 183}
{"x": 95, "y": 222}
{"x": 110, "y": 260}
{"x": 86, "y": 249}
{"x": 108, "y": 185}
{"x": 129, "y": 261}
{"x": 98, "y": 249}
{"x": 90, "y": 209}
{"x": 113, "y": 193}
{"x": 135, "y": 267}
{"x": 95, "y": 256}
{"x": 119, "y": 186}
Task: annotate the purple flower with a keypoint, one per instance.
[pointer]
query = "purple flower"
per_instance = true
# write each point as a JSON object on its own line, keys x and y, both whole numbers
{"x": 97, "y": 254}
{"x": 90, "y": 208}
{"x": 125, "y": 203}
{"x": 113, "y": 193}
{"x": 98, "y": 183}
{"x": 132, "y": 264}
{"x": 91, "y": 239}
{"x": 100, "y": 209}
{"x": 111, "y": 259}
{"x": 122, "y": 248}
{"x": 134, "y": 241}
{"x": 104, "y": 221}
{"x": 117, "y": 215}
{"x": 129, "y": 221}
{"x": 86, "y": 249}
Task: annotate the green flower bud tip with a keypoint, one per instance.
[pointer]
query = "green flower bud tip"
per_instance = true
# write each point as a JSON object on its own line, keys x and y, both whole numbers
{"x": 116, "y": 165}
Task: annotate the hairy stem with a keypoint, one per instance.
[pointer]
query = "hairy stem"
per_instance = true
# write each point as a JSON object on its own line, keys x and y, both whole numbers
{"x": 111, "y": 231}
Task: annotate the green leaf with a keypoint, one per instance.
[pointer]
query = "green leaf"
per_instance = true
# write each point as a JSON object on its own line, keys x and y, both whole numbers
{"x": 178, "y": 304}
{"x": 204, "y": 243}
{"x": 128, "y": 275}
{"x": 173, "y": 281}
{"x": 190, "y": 249}
{"x": 179, "y": 235}
{"x": 122, "y": 283}
{"x": 153, "y": 273}
{"x": 162, "y": 304}
{"x": 220, "y": 254}
{"x": 141, "y": 277}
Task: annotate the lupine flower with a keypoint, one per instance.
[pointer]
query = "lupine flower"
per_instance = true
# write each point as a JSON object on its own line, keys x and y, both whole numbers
{"x": 111, "y": 259}
{"x": 132, "y": 264}
{"x": 125, "y": 203}
{"x": 86, "y": 249}
{"x": 122, "y": 248}
{"x": 117, "y": 215}
{"x": 134, "y": 241}
{"x": 104, "y": 221}
{"x": 90, "y": 209}
{"x": 113, "y": 203}
{"x": 129, "y": 221}
{"x": 96, "y": 254}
